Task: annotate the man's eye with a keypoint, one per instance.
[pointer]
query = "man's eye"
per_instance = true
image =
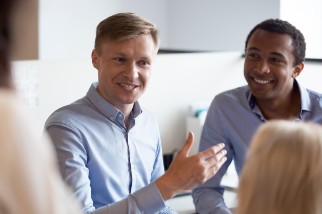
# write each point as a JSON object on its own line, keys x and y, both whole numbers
{"x": 276, "y": 60}
{"x": 253, "y": 55}
{"x": 118, "y": 59}
{"x": 144, "y": 63}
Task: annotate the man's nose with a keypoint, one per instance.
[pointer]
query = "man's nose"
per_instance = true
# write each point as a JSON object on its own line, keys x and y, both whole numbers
{"x": 132, "y": 70}
{"x": 262, "y": 67}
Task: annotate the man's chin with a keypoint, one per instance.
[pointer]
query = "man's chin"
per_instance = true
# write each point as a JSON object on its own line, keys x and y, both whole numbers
{"x": 130, "y": 101}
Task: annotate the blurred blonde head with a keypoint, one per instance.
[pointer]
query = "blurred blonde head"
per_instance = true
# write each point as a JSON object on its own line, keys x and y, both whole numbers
{"x": 283, "y": 170}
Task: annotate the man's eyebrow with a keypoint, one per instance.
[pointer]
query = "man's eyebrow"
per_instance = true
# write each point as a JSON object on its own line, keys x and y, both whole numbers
{"x": 252, "y": 49}
{"x": 277, "y": 54}
{"x": 146, "y": 58}
{"x": 271, "y": 53}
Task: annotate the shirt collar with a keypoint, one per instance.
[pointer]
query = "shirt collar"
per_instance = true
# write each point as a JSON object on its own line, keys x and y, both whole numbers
{"x": 106, "y": 108}
{"x": 252, "y": 104}
{"x": 305, "y": 100}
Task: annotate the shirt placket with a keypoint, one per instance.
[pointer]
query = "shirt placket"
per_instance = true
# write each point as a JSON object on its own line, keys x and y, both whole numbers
{"x": 132, "y": 166}
{"x": 130, "y": 151}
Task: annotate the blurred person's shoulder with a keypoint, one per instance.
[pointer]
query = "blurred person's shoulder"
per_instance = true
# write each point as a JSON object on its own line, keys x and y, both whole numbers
{"x": 8, "y": 100}
{"x": 17, "y": 124}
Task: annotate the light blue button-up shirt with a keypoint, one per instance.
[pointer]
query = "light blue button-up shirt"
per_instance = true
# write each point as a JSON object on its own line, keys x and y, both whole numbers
{"x": 233, "y": 118}
{"x": 111, "y": 169}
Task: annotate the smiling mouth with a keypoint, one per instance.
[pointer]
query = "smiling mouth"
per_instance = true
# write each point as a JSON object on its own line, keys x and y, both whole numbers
{"x": 262, "y": 81}
{"x": 128, "y": 87}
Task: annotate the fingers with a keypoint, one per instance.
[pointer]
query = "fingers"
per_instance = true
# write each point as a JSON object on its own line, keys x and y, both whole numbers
{"x": 188, "y": 145}
{"x": 212, "y": 151}
{"x": 217, "y": 161}
{"x": 186, "y": 172}
{"x": 214, "y": 158}
{"x": 218, "y": 158}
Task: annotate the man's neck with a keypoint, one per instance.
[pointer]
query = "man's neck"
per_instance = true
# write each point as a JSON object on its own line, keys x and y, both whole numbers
{"x": 287, "y": 108}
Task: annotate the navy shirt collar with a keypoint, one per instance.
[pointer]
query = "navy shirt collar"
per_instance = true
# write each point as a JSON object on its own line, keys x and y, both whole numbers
{"x": 305, "y": 101}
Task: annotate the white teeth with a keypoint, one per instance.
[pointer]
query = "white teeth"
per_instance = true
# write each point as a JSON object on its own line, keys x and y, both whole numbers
{"x": 127, "y": 87}
{"x": 262, "y": 81}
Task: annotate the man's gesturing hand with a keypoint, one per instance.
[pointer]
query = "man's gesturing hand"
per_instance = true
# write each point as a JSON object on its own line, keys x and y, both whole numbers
{"x": 187, "y": 172}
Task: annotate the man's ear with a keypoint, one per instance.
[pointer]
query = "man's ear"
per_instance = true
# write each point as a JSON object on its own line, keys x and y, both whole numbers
{"x": 95, "y": 59}
{"x": 298, "y": 69}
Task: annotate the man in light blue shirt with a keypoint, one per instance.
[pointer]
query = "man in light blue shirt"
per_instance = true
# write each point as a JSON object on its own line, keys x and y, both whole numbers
{"x": 108, "y": 146}
{"x": 274, "y": 57}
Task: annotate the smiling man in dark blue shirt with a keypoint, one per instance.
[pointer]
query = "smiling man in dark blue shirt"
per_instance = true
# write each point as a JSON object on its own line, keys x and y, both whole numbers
{"x": 274, "y": 57}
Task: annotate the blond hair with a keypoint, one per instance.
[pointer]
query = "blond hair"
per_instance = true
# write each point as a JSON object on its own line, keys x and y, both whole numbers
{"x": 124, "y": 26}
{"x": 283, "y": 170}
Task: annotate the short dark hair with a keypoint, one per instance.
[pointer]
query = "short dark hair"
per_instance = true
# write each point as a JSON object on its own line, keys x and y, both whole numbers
{"x": 124, "y": 26}
{"x": 283, "y": 27}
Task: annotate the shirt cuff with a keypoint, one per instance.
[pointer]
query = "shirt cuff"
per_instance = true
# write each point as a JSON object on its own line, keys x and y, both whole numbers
{"x": 149, "y": 199}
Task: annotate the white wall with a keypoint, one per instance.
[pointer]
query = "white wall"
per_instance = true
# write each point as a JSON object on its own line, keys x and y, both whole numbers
{"x": 178, "y": 80}
{"x": 308, "y": 21}
{"x": 49, "y": 84}
{"x": 215, "y": 24}
{"x": 67, "y": 27}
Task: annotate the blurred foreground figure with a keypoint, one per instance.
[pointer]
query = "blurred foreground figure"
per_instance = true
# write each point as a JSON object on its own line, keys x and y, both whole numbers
{"x": 29, "y": 180}
{"x": 283, "y": 170}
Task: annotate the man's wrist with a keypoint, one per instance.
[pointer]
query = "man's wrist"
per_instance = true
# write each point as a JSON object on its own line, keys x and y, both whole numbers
{"x": 165, "y": 187}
